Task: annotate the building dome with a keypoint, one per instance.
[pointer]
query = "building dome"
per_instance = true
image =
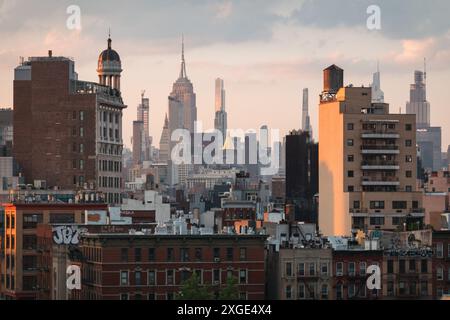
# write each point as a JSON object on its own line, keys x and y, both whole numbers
{"x": 109, "y": 58}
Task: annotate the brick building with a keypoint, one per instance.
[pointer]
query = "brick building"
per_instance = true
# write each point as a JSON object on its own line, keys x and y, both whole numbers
{"x": 67, "y": 132}
{"x": 349, "y": 273}
{"x": 136, "y": 267}
{"x": 441, "y": 263}
{"x": 19, "y": 268}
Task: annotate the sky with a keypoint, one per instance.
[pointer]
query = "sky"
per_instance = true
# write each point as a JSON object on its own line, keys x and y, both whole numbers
{"x": 266, "y": 51}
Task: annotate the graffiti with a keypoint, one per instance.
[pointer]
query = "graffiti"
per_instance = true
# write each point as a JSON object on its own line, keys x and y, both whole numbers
{"x": 74, "y": 278}
{"x": 374, "y": 280}
{"x": 413, "y": 252}
{"x": 68, "y": 235}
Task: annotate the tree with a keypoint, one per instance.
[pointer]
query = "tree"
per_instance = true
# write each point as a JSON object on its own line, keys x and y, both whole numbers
{"x": 192, "y": 290}
{"x": 231, "y": 291}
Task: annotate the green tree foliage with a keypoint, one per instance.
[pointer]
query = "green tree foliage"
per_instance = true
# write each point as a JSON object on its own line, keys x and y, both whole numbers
{"x": 231, "y": 291}
{"x": 192, "y": 290}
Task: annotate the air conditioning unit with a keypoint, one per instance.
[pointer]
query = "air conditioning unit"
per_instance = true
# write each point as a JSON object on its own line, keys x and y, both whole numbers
{"x": 216, "y": 259}
{"x": 216, "y": 283}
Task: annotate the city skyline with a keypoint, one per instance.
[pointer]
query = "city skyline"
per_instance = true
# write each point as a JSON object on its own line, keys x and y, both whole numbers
{"x": 265, "y": 69}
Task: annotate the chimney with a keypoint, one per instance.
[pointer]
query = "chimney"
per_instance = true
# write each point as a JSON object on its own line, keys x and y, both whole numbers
{"x": 50, "y": 53}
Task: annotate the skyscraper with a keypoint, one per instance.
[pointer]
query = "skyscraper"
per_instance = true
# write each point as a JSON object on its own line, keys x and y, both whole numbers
{"x": 143, "y": 115}
{"x": 68, "y": 132}
{"x": 302, "y": 175}
{"x": 138, "y": 129}
{"x": 367, "y": 162}
{"x": 428, "y": 137}
{"x": 164, "y": 143}
{"x": 418, "y": 103}
{"x": 377, "y": 93}
{"x": 306, "y": 120}
{"x": 221, "y": 121}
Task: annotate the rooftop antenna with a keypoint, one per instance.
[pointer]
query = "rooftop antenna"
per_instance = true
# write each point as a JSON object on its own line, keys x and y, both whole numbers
{"x": 425, "y": 70}
{"x": 378, "y": 66}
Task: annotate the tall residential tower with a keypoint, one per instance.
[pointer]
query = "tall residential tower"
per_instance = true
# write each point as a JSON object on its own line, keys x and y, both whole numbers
{"x": 221, "y": 121}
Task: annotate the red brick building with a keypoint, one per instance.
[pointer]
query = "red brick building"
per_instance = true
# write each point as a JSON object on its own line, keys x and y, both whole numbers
{"x": 136, "y": 267}
{"x": 441, "y": 264}
{"x": 350, "y": 277}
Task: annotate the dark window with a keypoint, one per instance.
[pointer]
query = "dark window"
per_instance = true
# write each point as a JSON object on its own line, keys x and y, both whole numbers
{"x": 415, "y": 204}
{"x": 170, "y": 256}
{"x": 408, "y": 143}
{"x": 412, "y": 265}
{"x": 243, "y": 254}
{"x": 216, "y": 276}
{"x": 151, "y": 254}
{"x": 138, "y": 278}
{"x": 396, "y": 221}
{"x": 376, "y": 204}
{"x": 377, "y": 221}
{"x": 356, "y": 205}
{"x": 351, "y": 158}
{"x": 408, "y": 127}
{"x": 402, "y": 266}
{"x": 409, "y": 159}
{"x": 30, "y": 221}
{"x": 424, "y": 266}
{"x": 390, "y": 266}
{"x": 351, "y": 189}
{"x": 350, "y": 126}
{"x": 350, "y": 142}
{"x": 409, "y": 174}
{"x": 198, "y": 254}
{"x": 62, "y": 218}
{"x": 216, "y": 253}
{"x": 152, "y": 278}
{"x": 184, "y": 253}
{"x": 351, "y": 174}
{"x": 399, "y": 205}
{"x": 29, "y": 242}
{"x": 138, "y": 255}
{"x": 170, "y": 277}
{"x": 230, "y": 254}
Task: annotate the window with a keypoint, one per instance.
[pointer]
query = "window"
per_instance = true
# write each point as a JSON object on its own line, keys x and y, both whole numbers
{"x": 351, "y": 189}
{"x": 351, "y": 158}
{"x": 169, "y": 296}
{"x": 448, "y": 250}
{"x": 351, "y": 268}
{"x": 408, "y": 127}
{"x": 124, "y": 254}
{"x": 138, "y": 254}
{"x": 312, "y": 269}
{"x": 170, "y": 254}
{"x": 402, "y": 266}
{"x": 408, "y": 188}
{"x": 62, "y": 218}
{"x": 124, "y": 278}
{"x": 439, "y": 292}
{"x": 390, "y": 289}
{"x": 74, "y": 115}
{"x": 30, "y": 221}
{"x": 301, "y": 269}
{"x": 81, "y": 115}
{"x": 312, "y": 292}
{"x": 81, "y": 164}
{"x": 288, "y": 269}
{"x": 439, "y": 250}
{"x": 362, "y": 268}
{"x": 350, "y": 143}
{"x": 170, "y": 279}
{"x": 324, "y": 268}
{"x": 409, "y": 174}
{"x": 324, "y": 292}
{"x": 377, "y": 221}
{"x": 376, "y": 204}
{"x": 230, "y": 254}
{"x": 408, "y": 143}
{"x": 81, "y": 132}
{"x": 184, "y": 253}
{"x": 216, "y": 253}
{"x": 301, "y": 291}
{"x": 243, "y": 254}
{"x": 199, "y": 274}
{"x": 412, "y": 265}
{"x": 81, "y": 148}
{"x": 424, "y": 266}
{"x": 185, "y": 275}
{"x": 424, "y": 288}
{"x": 152, "y": 278}
{"x": 138, "y": 278}
{"x": 339, "y": 290}
{"x": 402, "y": 287}
{"x": 124, "y": 296}
{"x": 339, "y": 269}
{"x": 216, "y": 276}
{"x": 408, "y": 159}
{"x": 243, "y": 276}
{"x": 151, "y": 254}
{"x": 399, "y": 205}
{"x": 198, "y": 254}
{"x": 350, "y": 174}
{"x": 413, "y": 288}
{"x": 351, "y": 290}
{"x": 29, "y": 242}
{"x": 356, "y": 205}
{"x": 350, "y": 126}
{"x": 390, "y": 266}
{"x": 439, "y": 273}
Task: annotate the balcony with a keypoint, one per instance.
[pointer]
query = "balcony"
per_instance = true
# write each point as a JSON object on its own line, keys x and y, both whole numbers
{"x": 379, "y": 149}
{"x": 380, "y": 165}
{"x": 380, "y": 181}
{"x": 380, "y": 134}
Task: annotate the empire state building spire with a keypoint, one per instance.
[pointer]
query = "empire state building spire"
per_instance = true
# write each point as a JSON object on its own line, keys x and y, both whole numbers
{"x": 183, "y": 73}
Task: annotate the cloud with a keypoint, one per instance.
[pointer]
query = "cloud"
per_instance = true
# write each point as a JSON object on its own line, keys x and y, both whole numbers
{"x": 224, "y": 10}
{"x": 412, "y": 19}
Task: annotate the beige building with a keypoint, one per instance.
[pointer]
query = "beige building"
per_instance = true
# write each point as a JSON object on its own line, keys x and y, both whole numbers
{"x": 367, "y": 162}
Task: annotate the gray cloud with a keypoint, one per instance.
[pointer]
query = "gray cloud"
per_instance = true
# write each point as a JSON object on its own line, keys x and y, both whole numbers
{"x": 412, "y": 19}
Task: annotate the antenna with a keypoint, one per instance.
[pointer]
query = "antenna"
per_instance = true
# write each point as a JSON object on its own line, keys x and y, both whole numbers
{"x": 425, "y": 70}
{"x": 142, "y": 94}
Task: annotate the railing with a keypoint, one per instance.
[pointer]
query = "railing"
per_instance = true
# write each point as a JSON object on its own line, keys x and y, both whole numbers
{"x": 379, "y": 163}
{"x": 379, "y": 147}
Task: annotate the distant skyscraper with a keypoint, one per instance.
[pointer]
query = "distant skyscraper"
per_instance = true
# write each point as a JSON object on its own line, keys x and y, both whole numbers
{"x": 143, "y": 115}
{"x": 377, "y": 93}
{"x": 428, "y": 138}
{"x": 164, "y": 144}
{"x": 138, "y": 129}
{"x": 418, "y": 103}
{"x": 306, "y": 120}
{"x": 221, "y": 121}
